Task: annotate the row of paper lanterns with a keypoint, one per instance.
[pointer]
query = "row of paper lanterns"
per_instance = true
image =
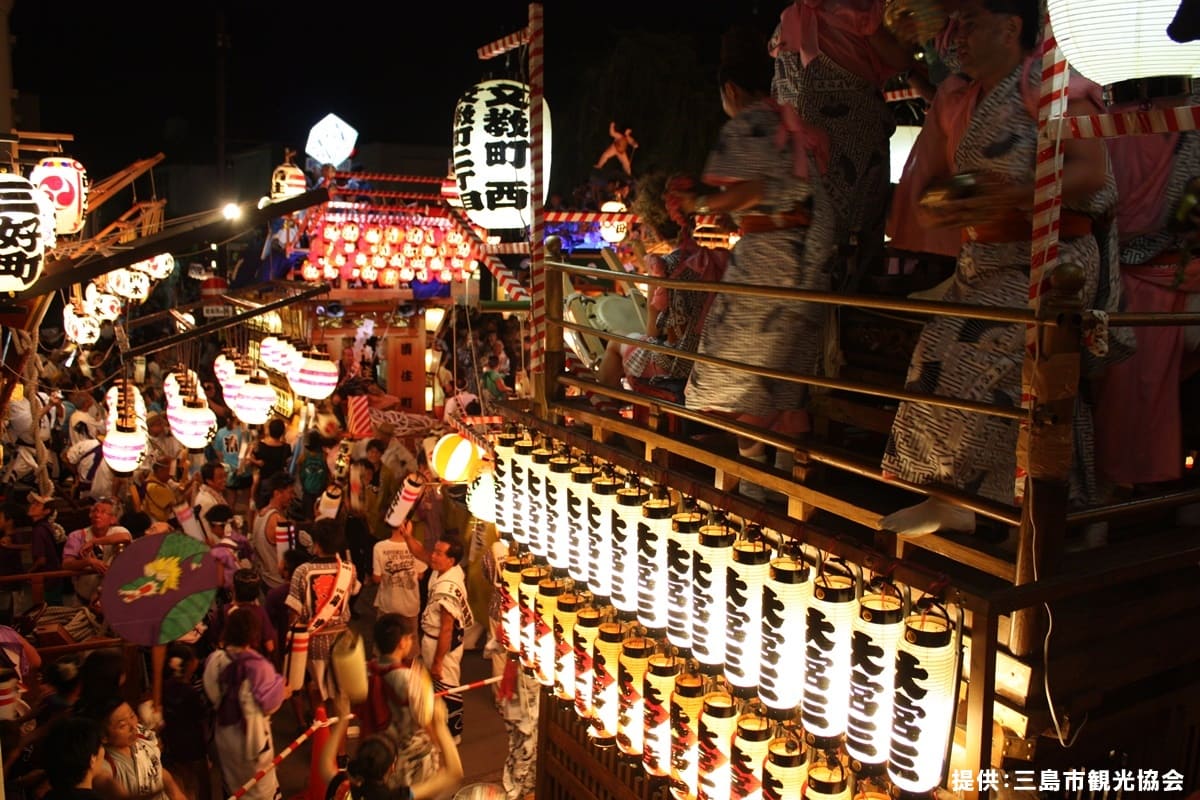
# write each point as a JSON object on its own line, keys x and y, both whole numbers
{"x": 778, "y": 628}
{"x": 34, "y": 211}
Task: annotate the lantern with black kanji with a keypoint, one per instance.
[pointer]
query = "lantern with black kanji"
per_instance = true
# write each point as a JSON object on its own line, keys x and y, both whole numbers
{"x": 578, "y": 493}
{"x": 537, "y": 513}
{"x": 877, "y": 629}
{"x": 549, "y": 590}
{"x": 750, "y": 745}
{"x": 531, "y": 577}
{"x": 558, "y": 507}
{"x": 587, "y": 630}
{"x": 509, "y": 591}
{"x": 661, "y": 671}
{"x": 631, "y": 675}
{"x": 786, "y": 595}
{"x": 654, "y": 529}
{"x": 624, "y": 548}
{"x": 566, "y": 612}
{"x": 686, "y": 704}
{"x": 503, "y": 448}
{"x": 681, "y": 549}
{"x": 605, "y": 697}
{"x": 746, "y": 576}
{"x": 602, "y": 506}
{"x": 714, "y": 549}
{"x": 785, "y": 768}
{"x": 22, "y": 245}
{"x": 827, "y": 655}
{"x": 718, "y": 723}
{"x": 520, "y": 463}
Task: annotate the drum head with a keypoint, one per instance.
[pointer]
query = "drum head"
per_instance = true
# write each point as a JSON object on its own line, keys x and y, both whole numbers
{"x": 420, "y": 693}
{"x": 618, "y": 314}
{"x": 589, "y": 349}
{"x": 481, "y": 791}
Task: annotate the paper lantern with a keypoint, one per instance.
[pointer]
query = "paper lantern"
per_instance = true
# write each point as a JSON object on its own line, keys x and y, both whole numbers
{"x": 481, "y": 496}
{"x": 786, "y": 595}
{"x": 587, "y": 630}
{"x": 22, "y": 245}
{"x": 47, "y": 216}
{"x": 605, "y": 696}
{"x": 502, "y": 453}
{"x": 925, "y": 693}
{"x": 537, "y": 477}
{"x": 828, "y": 779}
{"x": 65, "y": 182}
{"x": 624, "y": 549}
{"x": 519, "y": 483}
{"x": 714, "y": 549}
{"x": 194, "y": 424}
{"x": 718, "y": 722}
{"x": 565, "y": 614}
{"x": 631, "y": 677}
{"x": 509, "y": 590}
{"x": 746, "y": 577}
{"x": 315, "y": 377}
{"x": 287, "y": 180}
{"x": 223, "y": 367}
{"x": 785, "y": 769}
{"x": 549, "y": 590}
{"x": 659, "y": 684}
{"x": 123, "y": 448}
{"x": 527, "y": 598}
{"x": 681, "y": 549}
{"x": 877, "y": 628}
{"x": 686, "y": 705}
{"x": 750, "y": 745}
{"x": 80, "y": 327}
{"x": 827, "y": 655}
{"x": 653, "y": 531}
{"x": 578, "y": 496}
{"x": 613, "y": 231}
{"x": 129, "y": 284}
{"x": 255, "y": 401}
{"x": 602, "y": 506}
{"x": 102, "y": 305}
{"x": 492, "y": 154}
{"x": 158, "y": 268}
{"x": 558, "y": 513}
{"x": 455, "y": 459}
{"x": 122, "y": 396}
{"x": 1110, "y": 41}
{"x": 268, "y": 352}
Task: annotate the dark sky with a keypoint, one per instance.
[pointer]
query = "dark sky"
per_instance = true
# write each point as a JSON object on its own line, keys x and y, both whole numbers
{"x": 132, "y": 79}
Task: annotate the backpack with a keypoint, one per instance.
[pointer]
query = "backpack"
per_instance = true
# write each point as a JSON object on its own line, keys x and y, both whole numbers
{"x": 375, "y": 713}
{"x": 313, "y": 475}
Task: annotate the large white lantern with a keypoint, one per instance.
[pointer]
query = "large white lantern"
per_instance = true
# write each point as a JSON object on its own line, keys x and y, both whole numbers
{"x": 255, "y": 401}
{"x": 193, "y": 424}
{"x": 877, "y": 629}
{"x": 750, "y": 745}
{"x": 80, "y": 327}
{"x": 315, "y": 377}
{"x": 613, "y": 231}
{"x": 653, "y": 531}
{"x": 828, "y": 779}
{"x": 624, "y": 549}
{"x": 481, "y": 496}
{"x": 566, "y": 612}
{"x": 602, "y": 506}
{"x": 746, "y": 577}
{"x": 605, "y": 660}
{"x": 493, "y": 154}
{"x": 681, "y": 549}
{"x": 661, "y": 672}
{"x": 65, "y": 182}
{"x": 785, "y": 769}
{"x": 714, "y": 548}
{"x": 578, "y": 494}
{"x": 686, "y": 705}
{"x": 549, "y": 590}
{"x": 558, "y": 513}
{"x": 522, "y": 503}
{"x": 537, "y": 477}
{"x": 22, "y": 245}
{"x": 827, "y": 656}
{"x": 786, "y": 595}
{"x": 287, "y": 181}
{"x": 123, "y": 447}
{"x": 718, "y": 723}
{"x": 1110, "y": 41}
{"x": 587, "y": 630}
{"x": 631, "y": 677}
{"x": 527, "y": 598}
{"x": 510, "y": 608}
{"x": 503, "y": 450}
{"x": 923, "y": 713}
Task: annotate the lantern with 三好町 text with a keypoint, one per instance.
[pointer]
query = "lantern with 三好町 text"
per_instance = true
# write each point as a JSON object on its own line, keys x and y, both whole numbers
{"x": 22, "y": 245}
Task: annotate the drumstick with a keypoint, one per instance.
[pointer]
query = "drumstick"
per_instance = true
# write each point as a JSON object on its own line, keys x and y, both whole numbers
{"x": 467, "y": 686}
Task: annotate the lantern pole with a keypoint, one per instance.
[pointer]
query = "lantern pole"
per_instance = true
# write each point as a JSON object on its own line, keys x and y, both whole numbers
{"x": 546, "y": 357}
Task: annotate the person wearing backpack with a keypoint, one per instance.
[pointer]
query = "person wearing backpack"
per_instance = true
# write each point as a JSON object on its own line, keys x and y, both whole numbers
{"x": 314, "y": 471}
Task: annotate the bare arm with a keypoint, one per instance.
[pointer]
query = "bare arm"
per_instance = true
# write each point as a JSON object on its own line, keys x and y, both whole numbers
{"x": 415, "y": 547}
{"x": 732, "y": 197}
{"x": 448, "y": 778}
{"x": 171, "y": 788}
{"x": 327, "y": 760}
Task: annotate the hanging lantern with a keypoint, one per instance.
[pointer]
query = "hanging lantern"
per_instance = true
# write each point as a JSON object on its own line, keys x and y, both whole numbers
{"x": 502, "y": 473}
{"x": 877, "y": 629}
{"x": 624, "y": 548}
{"x": 565, "y": 614}
{"x": 80, "y": 327}
{"x": 481, "y": 496}
{"x": 455, "y": 459}
{"x": 493, "y": 154}
{"x": 686, "y": 705}
{"x": 350, "y": 233}
{"x": 718, "y": 723}
{"x": 661, "y": 672}
{"x": 510, "y": 607}
{"x": 786, "y": 596}
{"x": 587, "y": 630}
{"x": 223, "y": 367}
{"x": 194, "y": 424}
{"x": 1109, "y": 41}
{"x": 527, "y": 597}
{"x": 714, "y": 549}
{"x": 268, "y": 352}
{"x": 120, "y": 392}
{"x": 828, "y": 779}
{"x": 65, "y": 182}
{"x": 926, "y": 690}
{"x": 653, "y": 531}
{"x": 613, "y": 231}
{"x": 315, "y": 377}
{"x": 158, "y": 268}
{"x": 605, "y": 697}
{"x": 750, "y": 745}
{"x": 521, "y": 502}
{"x": 558, "y": 506}
{"x": 101, "y": 305}
{"x": 287, "y": 180}
{"x": 231, "y": 389}
{"x": 129, "y": 284}
{"x": 747, "y": 575}
{"x": 549, "y": 590}
{"x": 631, "y": 677}
{"x": 827, "y": 655}
{"x": 22, "y": 244}
{"x": 47, "y": 218}
{"x": 785, "y": 769}
{"x": 681, "y": 549}
{"x": 125, "y": 441}
{"x": 537, "y": 478}
{"x": 602, "y": 507}
{"x": 578, "y": 496}
{"x": 255, "y": 401}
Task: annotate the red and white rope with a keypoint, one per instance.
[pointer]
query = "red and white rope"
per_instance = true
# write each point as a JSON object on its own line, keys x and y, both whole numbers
{"x": 505, "y": 277}
{"x": 503, "y": 45}
{"x": 1133, "y": 123}
{"x": 537, "y": 249}
{"x": 387, "y": 177}
{"x": 901, "y": 95}
{"x": 468, "y": 686}
{"x": 280, "y": 756}
{"x": 590, "y": 216}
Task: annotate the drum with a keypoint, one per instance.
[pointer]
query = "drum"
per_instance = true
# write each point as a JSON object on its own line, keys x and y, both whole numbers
{"x": 609, "y": 313}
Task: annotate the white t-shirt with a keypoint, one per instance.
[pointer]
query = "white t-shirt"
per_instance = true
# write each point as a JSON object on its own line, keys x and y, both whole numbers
{"x": 85, "y": 425}
{"x": 398, "y": 570}
{"x": 87, "y": 456}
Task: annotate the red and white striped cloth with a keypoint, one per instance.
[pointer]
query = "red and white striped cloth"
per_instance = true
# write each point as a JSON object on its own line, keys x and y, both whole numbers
{"x": 358, "y": 417}
{"x": 537, "y": 249}
{"x": 503, "y": 45}
{"x": 1133, "y": 123}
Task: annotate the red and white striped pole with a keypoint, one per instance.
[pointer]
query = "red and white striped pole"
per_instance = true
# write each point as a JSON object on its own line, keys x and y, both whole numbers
{"x": 537, "y": 250}
{"x": 280, "y": 756}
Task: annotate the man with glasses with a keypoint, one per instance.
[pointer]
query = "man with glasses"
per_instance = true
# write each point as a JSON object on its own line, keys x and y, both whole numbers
{"x": 88, "y": 551}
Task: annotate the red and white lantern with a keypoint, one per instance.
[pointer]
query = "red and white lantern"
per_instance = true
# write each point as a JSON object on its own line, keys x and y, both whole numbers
{"x": 65, "y": 182}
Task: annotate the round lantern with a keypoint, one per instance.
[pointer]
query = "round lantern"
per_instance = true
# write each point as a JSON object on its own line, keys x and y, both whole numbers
{"x": 714, "y": 548}
{"x": 786, "y": 595}
{"x": 1110, "y": 41}
{"x": 827, "y": 655}
{"x": 605, "y": 696}
{"x": 681, "y": 547}
{"x": 80, "y": 327}
{"x": 877, "y": 629}
{"x": 129, "y": 284}
{"x": 718, "y": 723}
{"x": 65, "y": 182}
{"x": 631, "y": 676}
{"x": 455, "y": 459}
{"x": 503, "y": 451}
{"x": 48, "y": 216}
{"x": 924, "y": 703}
{"x": 315, "y": 377}
{"x": 578, "y": 494}
{"x": 493, "y": 154}
{"x": 223, "y": 367}
{"x": 509, "y": 591}
{"x": 123, "y": 447}
{"x": 193, "y": 424}
{"x": 268, "y": 352}
{"x": 100, "y": 304}
{"x": 22, "y": 245}
{"x": 828, "y": 779}
{"x": 661, "y": 672}
{"x": 549, "y": 590}
{"x": 686, "y": 705}
{"x": 613, "y": 231}
{"x": 158, "y": 268}
{"x": 566, "y": 612}
{"x": 587, "y": 629}
{"x": 287, "y": 180}
{"x": 602, "y": 506}
{"x": 255, "y": 401}
{"x": 653, "y": 531}
{"x": 747, "y": 575}
{"x": 785, "y": 769}
{"x": 558, "y": 508}
{"x": 624, "y": 549}
{"x": 531, "y": 577}
{"x": 750, "y": 745}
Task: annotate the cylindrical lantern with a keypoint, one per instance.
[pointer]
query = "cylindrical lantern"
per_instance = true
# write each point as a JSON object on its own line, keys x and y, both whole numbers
{"x": 22, "y": 245}
{"x": 661, "y": 672}
{"x": 926, "y": 664}
{"x": 587, "y": 629}
{"x": 686, "y": 704}
{"x": 527, "y": 597}
{"x": 522, "y": 502}
{"x": 653, "y": 532}
{"x": 828, "y": 779}
{"x": 481, "y": 496}
{"x": 558, "y": 507}
{"x": 537, "y": 478}
{"x": 123, "y": 447}
{"x": 785, "y": 769}
{"x": 255, "y": 401}
{"x": 750, "y": 745}
{"x": 578, "y": 494}
{"x": 786, "y": 595}
{"x": 503, "y": 476}
{"x": 631, "y": 676}
{"x": 455, "y": 458}
{"x": 315, "y": 377}
{"x": 714, "y": 549}
{"x": 718, "y": 722}
{"x": 605, "y": 697}
{"x": 624, "y": 549}
{"x": 194, "y": 424}
{"x": 877, "y": 629}
{"x": 748, "y": 571}
{"x": 827, "y": 655}
{"x": 566, "y": 612}
{"x": 681, "y": 549}
{"x": 602, "y": 507}
{"x": 549, "y": 590}
{"x": 510, "y": 607}
{"x": 65, "y": 182}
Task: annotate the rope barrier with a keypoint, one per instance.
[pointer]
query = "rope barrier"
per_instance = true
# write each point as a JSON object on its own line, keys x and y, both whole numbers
{"x": 280, "y": 756}
{"x": 387, "y": 177}
{"x": 1133, "y": 123}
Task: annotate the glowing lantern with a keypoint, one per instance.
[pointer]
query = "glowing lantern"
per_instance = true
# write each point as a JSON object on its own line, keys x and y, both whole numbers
{"x": 549, "y": 590}
{"x": 212, "y": 295}
{"x": 310, "y": 272}
{"x": 389, "y": 278}
{"x": 481, "y": 496}
{"x": 116, "y": 396}
{"x": 350, "y": 233}
{"x": 877, "y": 629}
{"x": 492, "y": 153}
{"x": 125, "y": 441}
{"x": 602, "y": 506}
{"x": 47, "y": 216}
{"x": 269, "y": 351}
{"x": 827, "y": 655}
{"x": 785, "y": 769}
{"x": 223, "y": 367}
{"x": 510, "y": 607}
{"x": 631, "y": 676}
{"x": 786, "y": 595}
{"x": 521, "y": 502}
{"x": 193, "y": 424}
{"x": 566, "y": 612}
{"x": 718, "y": 722}
{"x": 587, "y": 630}
{"x": 605, "y": 698}
{"x": 686, "y": 705}
{"x": 537, "y": 476}
{"x": 828, "y": 779}
{"x": 613, "y": 231}
{"x": 455, "y": 459}
{"x": 129, "y": 284}
{"x": 80, "y": 327}
{"x": 746, "y": 577}
{"x": 558, "y": 505}
{"x": 578, "y": 493}
{"x": 527, "y": 598}
{"x": 287, "y": 180}
{"x": 502, "y": 453}
{"x": 624, "y": 549}
{"x": 681, "y": 548}
{"x": 255, "y": 400}
{"x": 750, "y": 745}
{"x": 331, "y": 140}
{"x": 661, "y": 671}
{"x": 65, "y": 182}
{"x": 101, "y": 305}
{"x": 653, "y": 531}
{"x": 713, "y": 551}
{"x": 158, "y": 268}
{"x": 231, "y": 389}
{"x": 22, "y": 245}
{"x": 923, "y": 714}
{"x": 1109, "y": 41}
{"x": 315, "y": 377}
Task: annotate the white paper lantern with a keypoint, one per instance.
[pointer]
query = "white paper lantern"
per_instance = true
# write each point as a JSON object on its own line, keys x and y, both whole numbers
{"x": 1110, "y": 41}
{"x": 22, "y": 245}
{"x": 493, "y": 153}
{"x": 602, "y": 506}
{"x": 158, "y": 268}
{"x": 503, "y": 449}
{"x": 659, "y": 685}
{"x": 48, "y": 215}
{"x": 578, "y": 494}
{"x": 522, "y": 503}
{"x": 587, "y": 630}
{"x": 256, "y": 398}
{"x": 631, "y": 677}
{"x": 624, "y": 549}
{"x": 455, "y": 458}
{"x": 714, "y": 549}
{"x": 687, "y": 703}
{"x": 65, "y": 182}
{"x": 828, "y": 780}
{"x": 877, "y": 629}
{"x": 827, "y": 655}
{"x": 223, "y": 367}
{"x": 510, "y": 607}
{"x": 605, "y": 697}
{"x": 786, "y": 596}
{"x": 653, "y": 532}
{"x": 785, "y": 769}
{"x": 80, "y": 327}
{"x": 315, "y": 377}
{"x": 102, "y": 305}
{"x": 558, "y": 513}
{"x": 481, "y": 496}
{"x": 123, "y": 448}
{"x": 549, "y": 590}
{"x": 268, "y": 352}
{"x": 566, "y": 612}
{"x": 750, "y": 745}
{"x": 613, "y": 231}
{"x": 923, "y": 714}
{"x": 287, "y": 180}
{"x": 193, "y": 424}
{"x": 527, "y": 597}
{"x": 681, "y": 549}
{"x": 718, "y": 723}
{"x": 746, "y": 577}
{"x": 537, "y": 477}
{"x": 129, "y": 284}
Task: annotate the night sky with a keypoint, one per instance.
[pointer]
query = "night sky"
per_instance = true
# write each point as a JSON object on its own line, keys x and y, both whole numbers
{"x": 133, "y": 79}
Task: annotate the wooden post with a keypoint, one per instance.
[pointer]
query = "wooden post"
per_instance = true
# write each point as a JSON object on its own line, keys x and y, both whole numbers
{"x": 981, "y": 692}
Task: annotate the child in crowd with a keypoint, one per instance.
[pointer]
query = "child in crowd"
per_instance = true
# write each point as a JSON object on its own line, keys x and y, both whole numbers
{"x": 62, "y": 679}
{"x": 247, "y": 592}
